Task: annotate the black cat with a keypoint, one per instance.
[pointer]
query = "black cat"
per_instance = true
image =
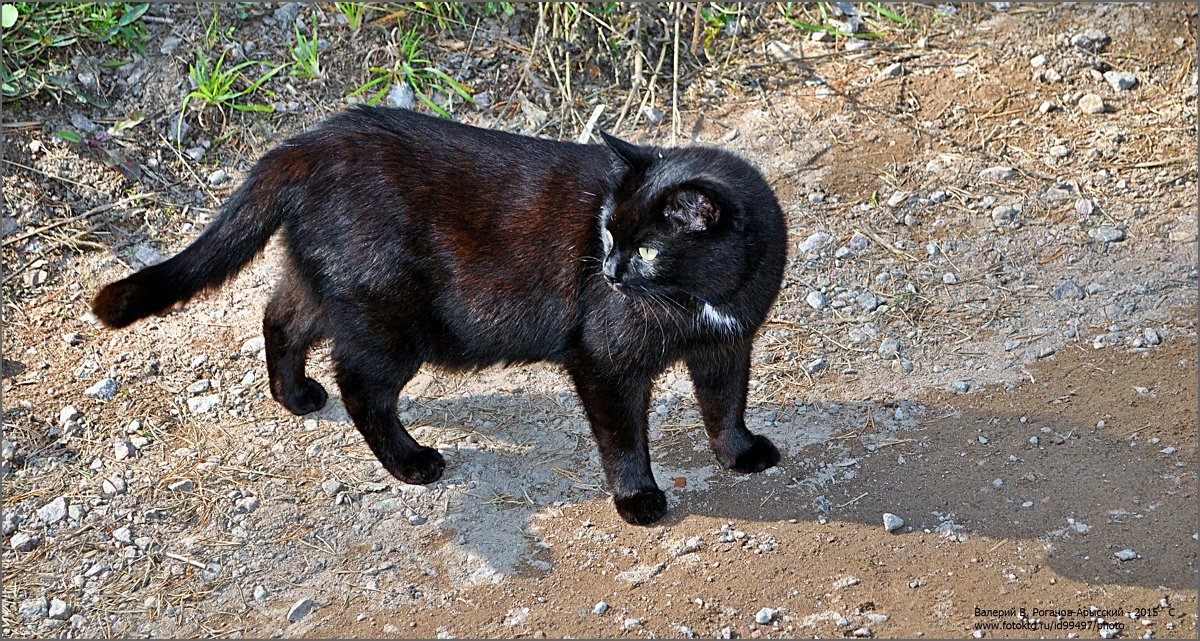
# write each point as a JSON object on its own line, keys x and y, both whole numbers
{"x": 413, "y": 239}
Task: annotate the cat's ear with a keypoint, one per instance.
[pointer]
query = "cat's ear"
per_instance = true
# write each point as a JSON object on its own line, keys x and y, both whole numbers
{"x": 692, "y": 209}
{"x": 631, "y": 154}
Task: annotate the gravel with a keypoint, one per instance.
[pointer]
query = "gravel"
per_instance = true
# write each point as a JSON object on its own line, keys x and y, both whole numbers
{"x": 123, "y": 534}
{"x": 1092, "y": 104}
{"x": 764, "y": 616}
{"x": 1093, "y": 40}
{"x": 35, "y": 608}
{"x": 203, "y": 404}
{"x": 105, "y": 390}
{"x": 1125, "y": 555}
{"x": 1069, "y": 290}
{"x": 817, "y": 300}
{"x": 1120, "y": 80}
{"x": 1108, "y": 234}
{"x": 332, "y": 487}
{"x": 54, "y": 511}
{"x": 59, "y": 610}
{"x": 891, "y": 522}
{"x": 301, "y": 609}
{"x": 24, "y": 542}
{"x": 960, "y": 386}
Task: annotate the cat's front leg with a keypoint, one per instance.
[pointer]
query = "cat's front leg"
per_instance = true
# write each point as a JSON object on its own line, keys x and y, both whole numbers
{"x": 616, "y": 404}
{"x": 720, "y": 376}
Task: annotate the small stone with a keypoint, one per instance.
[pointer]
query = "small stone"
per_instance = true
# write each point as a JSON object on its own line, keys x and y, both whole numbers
{"x": 1092, "y": 104}
{"x": 1046, "y": 352}
{"x": 332, "y": 487}
{"x": 24, "y": 542}
{"x": 858, "y": 242}
{"x": 848, "y": 581}
{"x": 218, "y": 177}
{"x": 260, "y": 593}
{"x": 816, "y": 365}
{"x": 11, "y": 521}
{"x": 1069, "y": 290}
{"x": 814, "y": 242}
{"x": 123, "y": 449}
{"x": 203, "y": 404}
{"x": 1151, "y": 337}
{"x": 843, "y": 253}
{"x": 817, "y": 300}
{"x": 764, "y": 616}
{"x": 301, "y": 609}
{"x": 1060, "y": 151}
{"x": 1093, "y": 40}
{"x": 862, "y": 633}
{"x": 123, "y": 534}
{"x": 1125, "y": 555}
{"x": 1085, "y": 207}
{"x": 1033, "y": 440}
{"x": 54, "y": 511}
{"x": 600, "y": 608}
{"x": 1108, "y": 234}
{"x": 1037, "y": 61}
{"x": 891, "y": 522}
{"x": 688, "y": 546}
{"x": 897, "y": 199}
{"x": 998, "y": 173}
{"x": 246, "y": 505}
{"x": 105, "y": 390}
{"x": 35, "y": 608}
{"x": 1120, "y": 80}
{"x": 1109, "y": 632}
{"x": 169, "y": 46}
{"x": 631, "y": 623}
{"x": 401, "y": 96}
{"x": 254, "y": 345}
{"x": 950, "y": 278}
{"x": 199, "y": 387}
{"x": 182, "y": 485}
{"x": 654, "y": 117}
{"x": 889, "y": 348}
{"x": 816, "y": 198}
{"x": 1079, "y": 526}
{"x": 1046, "y": 107}
{"x": 962, "y": 387}
{"x": 1004, "y": 215}
{"x": 1168, "y": 450}
{"x": 114, "y": 485}
{"x": 867, "y": 301}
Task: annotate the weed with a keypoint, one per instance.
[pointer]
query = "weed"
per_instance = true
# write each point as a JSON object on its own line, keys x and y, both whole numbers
{"x": 306, "y": 53}
{"x": 355, "y": 12}
{"x": 217, "y": 85}
{"x": 34, "y": 32}
{"x": 418, "y": 72}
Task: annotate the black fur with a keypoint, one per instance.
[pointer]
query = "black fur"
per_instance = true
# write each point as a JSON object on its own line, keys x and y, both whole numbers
{"x": 413, "y": 239}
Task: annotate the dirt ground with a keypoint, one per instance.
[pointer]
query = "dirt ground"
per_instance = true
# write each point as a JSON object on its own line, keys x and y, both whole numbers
{"x": 988, "y": 329}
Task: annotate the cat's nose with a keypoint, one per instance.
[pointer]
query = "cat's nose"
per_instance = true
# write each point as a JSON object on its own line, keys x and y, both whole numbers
{"x": 614, "y": 269}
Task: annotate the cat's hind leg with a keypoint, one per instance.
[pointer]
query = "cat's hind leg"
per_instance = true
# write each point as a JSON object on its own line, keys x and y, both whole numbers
{"x": 370, "y": 374}
{"x": 720, "y": 377}
{"x": 292, "y": 323}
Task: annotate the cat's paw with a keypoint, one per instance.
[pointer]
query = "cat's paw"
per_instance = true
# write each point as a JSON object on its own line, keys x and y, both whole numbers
{"x": 304, "y": 399}
{"x": 421, "y": 467}
{"x": 642, "y": 508}
{"x": 759, "y": 456}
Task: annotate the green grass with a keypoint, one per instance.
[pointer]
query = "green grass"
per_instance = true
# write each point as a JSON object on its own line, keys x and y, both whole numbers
{"x": 355, "y": 13}
{"x": 224, "y": 86}
{"x": 34, "y": 33}
{"x": 305, "y": 52}
{"x": 418, "y": 72}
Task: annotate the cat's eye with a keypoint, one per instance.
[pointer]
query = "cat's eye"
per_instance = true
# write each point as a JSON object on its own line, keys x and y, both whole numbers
{"x": 648, "y": 253}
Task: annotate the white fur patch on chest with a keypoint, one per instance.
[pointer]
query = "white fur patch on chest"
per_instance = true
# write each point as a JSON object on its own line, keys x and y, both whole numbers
{"x": 720, "y": 320}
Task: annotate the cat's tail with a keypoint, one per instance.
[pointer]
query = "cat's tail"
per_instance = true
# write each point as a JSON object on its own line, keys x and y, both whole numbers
{"x": 273, "y": 188}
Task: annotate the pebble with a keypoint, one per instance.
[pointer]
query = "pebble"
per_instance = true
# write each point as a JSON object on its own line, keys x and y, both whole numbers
{"x": 1108, "y": 234}
{"x": 254, "y": 345}
{"x": 1085, "y": 207}
{"x": 203, "y": 404}
{"x": 218, "y": 177}
{"x": 814, "y": 242}
{"x": 54, "y": 511}
{"x": 1037, "y": 61}
{"x": 1151, "y": 337}
{"x": 123, "y": 449}
{"x": 246, "y": 505}
{"x": 170, "y": 45}
{"x": 199, "y": 387}
{"x": 764, "y": 616}
{"x": 261, "y": 593}
{"x": 123, "y": 534}
{"x": 300, "y": 609}
{"x": 35, "y": 608}
{"x": 105, "y": 390}
{"x": 848, "y": 581}
{"x": 1120, "y": 80}
{"x": 889, "y": 348}
{"x": 950, "y": 278}
{"x": 1109, "y": 632}
{"x": 182, "y": 485}
{"x": 401, "y": 96}
{"x": 1125, "y": 555}
{"x": 11, "y": 520}
{"x": 332, "y": 487}
{"x": 1092, "y": 39}
{"x": 1168, "y": 450}
{"x": 897, "y": 199}
{"x": 856, "y": 44}
{"x": 24, "y": 542}
{"x": 817, "y": 300}
{"x": 1092, "y": 104}
{"x": 113, "y": 485}
{"x": 998, "y": 173}
{"x": 654, "y": 117}
{"x": 891, "y": 522}
{"x": 600, "y": 608}
{"x": 962, "y": 387}
{"x": 1068, "y": 290}
{"x": 858, "y": 242}
{"x": 867, "y": 301}
{"x": 688, "y": 546}
{"x": 816, "y": 365}
{"x": 1046, "y": 107}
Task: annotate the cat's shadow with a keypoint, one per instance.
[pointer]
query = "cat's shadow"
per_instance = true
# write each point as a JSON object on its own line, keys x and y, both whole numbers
{"x": 522, "y": 455}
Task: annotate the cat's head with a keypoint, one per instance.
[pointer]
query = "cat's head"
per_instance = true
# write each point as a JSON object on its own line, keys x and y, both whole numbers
{"x": 676, "y": 221}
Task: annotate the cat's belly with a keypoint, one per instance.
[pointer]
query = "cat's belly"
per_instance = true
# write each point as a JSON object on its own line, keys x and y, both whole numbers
{"x": 501, "y": 334}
